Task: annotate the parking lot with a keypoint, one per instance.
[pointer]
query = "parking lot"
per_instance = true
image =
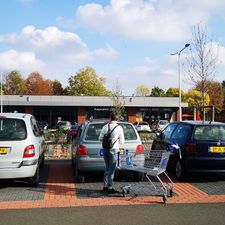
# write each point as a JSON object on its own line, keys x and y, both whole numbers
{"x": 58, "y": 189}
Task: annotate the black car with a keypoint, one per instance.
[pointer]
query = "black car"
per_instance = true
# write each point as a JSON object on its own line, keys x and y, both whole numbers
{"x": 196, "y": 147}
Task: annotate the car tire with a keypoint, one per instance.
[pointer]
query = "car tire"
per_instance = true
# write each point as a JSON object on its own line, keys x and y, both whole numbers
{"x": 180, "y": 170}
{"x": 34, "y": 181}
{"x": 79, "y": 178}
{"x": 42, "y": 164}
{"x": 138, "y": 176}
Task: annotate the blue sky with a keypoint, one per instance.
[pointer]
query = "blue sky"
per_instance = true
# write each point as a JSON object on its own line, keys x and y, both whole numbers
{"x": 128, "y": 41}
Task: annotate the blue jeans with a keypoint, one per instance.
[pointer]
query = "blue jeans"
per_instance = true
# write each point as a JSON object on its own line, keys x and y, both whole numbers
{"x": 110, "y": 167}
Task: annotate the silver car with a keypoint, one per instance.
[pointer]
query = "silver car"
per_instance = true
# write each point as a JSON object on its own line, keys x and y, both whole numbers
{"x": 87, "y": 152}
{"x": 21, "y": 147}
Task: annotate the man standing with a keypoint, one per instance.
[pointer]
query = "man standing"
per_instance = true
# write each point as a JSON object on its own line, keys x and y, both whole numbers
{"x": 110, "y": 155}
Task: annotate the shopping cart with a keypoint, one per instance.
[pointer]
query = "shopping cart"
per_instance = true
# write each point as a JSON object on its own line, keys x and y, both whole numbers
{"x": 154, "y": 166}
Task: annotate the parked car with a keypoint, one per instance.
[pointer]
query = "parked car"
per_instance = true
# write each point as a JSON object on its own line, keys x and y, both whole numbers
{"x": 87, "y": 152}
{"x": 21, "y": 147}
{"x": 201, "y": 144}
{"x": 63, "y": 125}
{"x": 72, "y": 132}
{"x": 160, "y": 125}
{"x": 142, "y": 126}
{"x": 43, "y": 125}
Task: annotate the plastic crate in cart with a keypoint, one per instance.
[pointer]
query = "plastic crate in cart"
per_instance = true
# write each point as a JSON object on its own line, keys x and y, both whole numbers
{"x": 154, "y": 166}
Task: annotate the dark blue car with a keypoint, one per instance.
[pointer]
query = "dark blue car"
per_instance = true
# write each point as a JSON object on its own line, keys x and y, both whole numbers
{"x": 196, "y": 147}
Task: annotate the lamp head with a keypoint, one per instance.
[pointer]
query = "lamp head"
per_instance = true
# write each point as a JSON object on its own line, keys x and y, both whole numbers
{"x": 187, "y": 45}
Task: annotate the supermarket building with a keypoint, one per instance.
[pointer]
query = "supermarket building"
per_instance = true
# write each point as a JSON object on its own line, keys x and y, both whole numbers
{"x": 79, "y": 108}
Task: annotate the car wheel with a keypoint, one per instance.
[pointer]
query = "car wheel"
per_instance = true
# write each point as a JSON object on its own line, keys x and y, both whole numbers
{"x": 79, "y": 178}
{"x": 34, "y": 181}
{"x": 42, "y": 164}
{"x": 138, "y": 176}
{"x": 180, "y": 170}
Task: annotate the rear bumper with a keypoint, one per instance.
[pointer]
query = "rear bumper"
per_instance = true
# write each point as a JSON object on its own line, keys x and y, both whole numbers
{"x": 22, "y": 172}
{"x": 205, "y": 165}
{"x": 87, "y": 164}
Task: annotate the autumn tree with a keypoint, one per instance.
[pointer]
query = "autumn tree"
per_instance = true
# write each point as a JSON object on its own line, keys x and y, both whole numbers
{"x": 201, "y": 60}
{"x": 15, "y": 84}
{"x": 87, "y": 82}
{"x": 36, "y": 85}
{"x": 142, "y": 90}
{"x": 194, "y": 98}
{"x": 157, "y": 92}
{"x": 172, "y": 92}
{"x": 57, "y": 88}
{"x": 215, "y": 91}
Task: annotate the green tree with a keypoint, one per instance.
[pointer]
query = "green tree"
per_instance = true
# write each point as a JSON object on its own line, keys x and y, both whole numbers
{"x": 142, "y": 90}
{"x": 87, "y": 82}
{"x": 157, "y": 92}
{"x": 15, "y": 84}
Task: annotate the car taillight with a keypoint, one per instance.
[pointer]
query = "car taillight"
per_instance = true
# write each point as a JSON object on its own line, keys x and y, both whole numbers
{"x": 191, "y": 148}
{"x": 72, "y": 132}
{"x": 139, "y": 149}
{"x": 29, "y": 151}
{"x": 82, "y": 151}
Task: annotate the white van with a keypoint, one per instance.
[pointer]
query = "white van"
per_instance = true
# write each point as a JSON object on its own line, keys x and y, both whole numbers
{"x": 22, "y": 147}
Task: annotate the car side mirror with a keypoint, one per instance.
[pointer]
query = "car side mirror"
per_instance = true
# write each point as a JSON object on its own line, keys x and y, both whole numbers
{"x": 159, "y": 134}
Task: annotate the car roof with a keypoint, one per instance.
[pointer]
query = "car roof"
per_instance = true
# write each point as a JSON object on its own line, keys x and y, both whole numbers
{"x": 15, "y": 115}
{"x": 105, "y": 121}
{"x": 193, "y": 122}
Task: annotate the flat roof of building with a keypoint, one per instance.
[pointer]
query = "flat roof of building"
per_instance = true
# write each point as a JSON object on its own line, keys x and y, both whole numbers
{"x": 97, "y": 101}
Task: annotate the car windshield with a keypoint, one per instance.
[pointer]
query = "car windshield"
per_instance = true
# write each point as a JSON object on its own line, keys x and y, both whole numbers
{"x": 211, "y": 133}
{"x": 143, "y": 123}
{"x": 64, "y": 123}
{"x": 12, "y": 129}
{"x": 94, "y": 130}
{"x": 163, "y": 122}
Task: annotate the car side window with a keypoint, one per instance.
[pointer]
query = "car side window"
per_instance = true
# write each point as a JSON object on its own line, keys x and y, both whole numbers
{"x": 181, "y": 133}
{"x": 166, "y": 134}
{"x": 35, "y": 128}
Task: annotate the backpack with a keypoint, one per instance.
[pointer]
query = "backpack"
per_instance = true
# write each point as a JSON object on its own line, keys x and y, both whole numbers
{"x": 107, "y": 139}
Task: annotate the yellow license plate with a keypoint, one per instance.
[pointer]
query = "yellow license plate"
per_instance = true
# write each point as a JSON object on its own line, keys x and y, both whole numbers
{"x": 3, "y": 151}
{"x": 217, "y": 149}
{"x": 121, "y": 151}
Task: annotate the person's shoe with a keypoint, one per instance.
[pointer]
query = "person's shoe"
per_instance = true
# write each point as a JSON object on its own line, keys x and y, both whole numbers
{"x": 105, "y": 189}
{"x": 112, "y": 191}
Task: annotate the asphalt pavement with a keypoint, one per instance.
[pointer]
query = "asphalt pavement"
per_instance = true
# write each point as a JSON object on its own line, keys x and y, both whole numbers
{"x": 158, "y": 214}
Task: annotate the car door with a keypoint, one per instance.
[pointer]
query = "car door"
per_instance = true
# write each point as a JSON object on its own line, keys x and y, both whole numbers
{"x": 163, "y": 139}
{"x": 37, "y": 136}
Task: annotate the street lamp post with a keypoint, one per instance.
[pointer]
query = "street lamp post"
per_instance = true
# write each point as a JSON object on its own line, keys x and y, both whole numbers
{"x": 179, "y": 73}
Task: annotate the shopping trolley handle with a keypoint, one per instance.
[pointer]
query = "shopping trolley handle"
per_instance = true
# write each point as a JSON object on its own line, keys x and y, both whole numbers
{"x": 175, "y": 148}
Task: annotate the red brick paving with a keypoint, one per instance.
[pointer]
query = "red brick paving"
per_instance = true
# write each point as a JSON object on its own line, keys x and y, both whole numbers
{"x": 60, "y": 192}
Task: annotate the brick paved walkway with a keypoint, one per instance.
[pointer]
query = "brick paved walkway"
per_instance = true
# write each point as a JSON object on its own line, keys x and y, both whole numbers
{"x": 60, "y": 191}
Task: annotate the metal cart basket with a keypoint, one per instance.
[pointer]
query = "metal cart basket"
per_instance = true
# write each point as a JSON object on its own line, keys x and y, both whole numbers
{"x": 154, "y": 166}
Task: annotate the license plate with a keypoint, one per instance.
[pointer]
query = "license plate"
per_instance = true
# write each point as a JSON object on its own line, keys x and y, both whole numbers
{"x": 3, "y": 151}
{"x": 217, "y": 149}
{"x": 121, "y": 151}
{"x": 101, "y": 152}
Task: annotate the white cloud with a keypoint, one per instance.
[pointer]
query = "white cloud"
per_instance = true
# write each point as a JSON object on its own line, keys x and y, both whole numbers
{"x": 108, "y": 52}
{"x": 49, "y": 51}
{"x": 26, "y": 61}
{"x": 160, "y": 20}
